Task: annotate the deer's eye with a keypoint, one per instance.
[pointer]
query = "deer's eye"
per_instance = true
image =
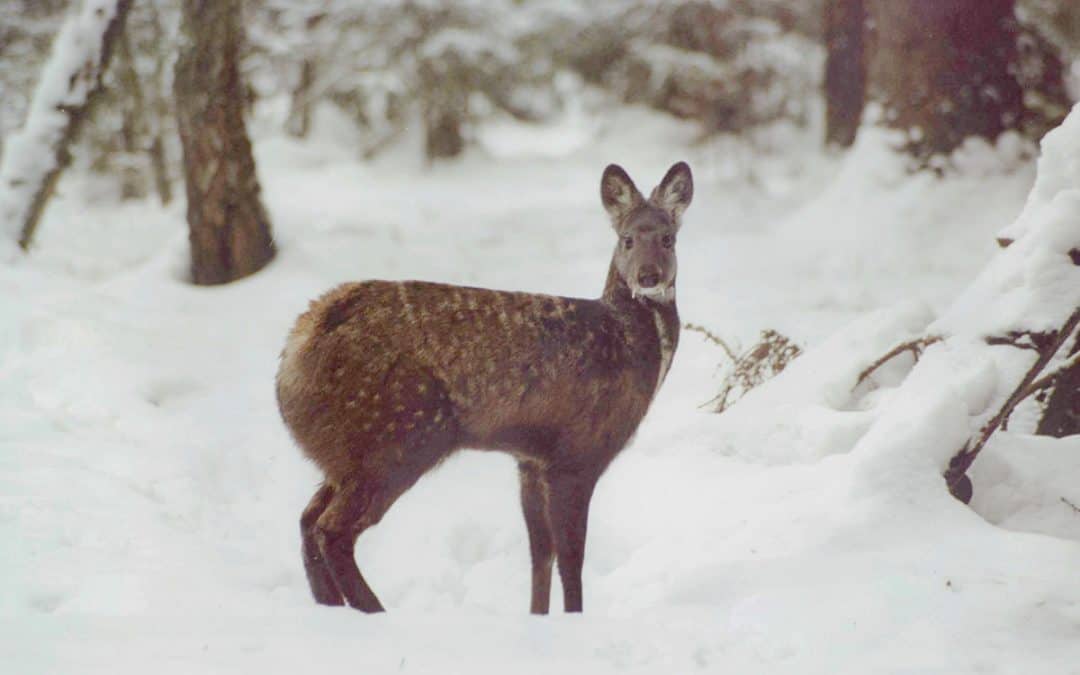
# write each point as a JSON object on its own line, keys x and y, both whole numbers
{"x": 628, "y": 242}
{"x": 667, "y": 241}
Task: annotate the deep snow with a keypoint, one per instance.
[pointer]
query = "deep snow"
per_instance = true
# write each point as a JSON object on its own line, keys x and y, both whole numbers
{"x": 149, "y": 495}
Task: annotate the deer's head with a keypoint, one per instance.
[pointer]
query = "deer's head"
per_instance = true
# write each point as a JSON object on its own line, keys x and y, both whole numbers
{"x": 645, "y": 254}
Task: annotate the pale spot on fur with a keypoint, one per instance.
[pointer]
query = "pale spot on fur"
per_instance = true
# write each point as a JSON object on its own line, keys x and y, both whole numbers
{"x": 667, "y": 350}
{"x": 403, "y": 297}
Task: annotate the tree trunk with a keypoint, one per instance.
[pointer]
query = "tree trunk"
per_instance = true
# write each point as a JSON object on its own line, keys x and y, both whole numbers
{"x": 943, "y": 70}
{"x": 229, "y": 228}
{"x": 298, "y": 124}
{"x": 845, "y": 70}
{"x": 71, "y": 83}
{"x": 133, "y": 125}
{"x": 445, "y": 107}
{"x": 162, "y": 110}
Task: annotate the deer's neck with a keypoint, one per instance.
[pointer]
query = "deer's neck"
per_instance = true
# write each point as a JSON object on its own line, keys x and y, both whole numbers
{"x": 654, "y": 326}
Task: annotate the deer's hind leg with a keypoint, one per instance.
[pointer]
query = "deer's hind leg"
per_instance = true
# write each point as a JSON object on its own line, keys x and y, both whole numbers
{"x": 353, "y": 508}
{"x": 357, "y": 504}
{"x": 323, "y": 588}
{"x": 416, "y": 430}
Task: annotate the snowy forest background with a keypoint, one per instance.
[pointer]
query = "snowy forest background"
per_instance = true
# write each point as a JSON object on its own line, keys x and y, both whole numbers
{"x": 866, "y": 455}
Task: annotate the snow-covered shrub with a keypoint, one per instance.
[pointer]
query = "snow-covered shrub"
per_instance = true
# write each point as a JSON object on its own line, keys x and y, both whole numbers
{"x": 384, "y": 62}
{"x": 729, "y": 65}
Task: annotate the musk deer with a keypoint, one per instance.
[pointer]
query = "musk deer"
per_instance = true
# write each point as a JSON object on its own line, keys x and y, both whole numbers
{"x": 380, "y": 381}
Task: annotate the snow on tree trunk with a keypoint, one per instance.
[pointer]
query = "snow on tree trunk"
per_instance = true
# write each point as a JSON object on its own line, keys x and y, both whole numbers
{"x": 229, "y": 228}
{"x": 1004, "y": 334}
{"x": 70, "y": 84}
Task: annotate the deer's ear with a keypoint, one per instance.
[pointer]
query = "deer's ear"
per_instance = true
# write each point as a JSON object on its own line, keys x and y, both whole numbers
{"x": 674, "y": 193}
{"x": 618, "y": 192}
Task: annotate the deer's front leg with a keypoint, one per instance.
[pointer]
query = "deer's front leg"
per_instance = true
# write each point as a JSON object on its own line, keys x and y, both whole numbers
{"x": 534, "y": 504}
{"x": 568, "y": 509}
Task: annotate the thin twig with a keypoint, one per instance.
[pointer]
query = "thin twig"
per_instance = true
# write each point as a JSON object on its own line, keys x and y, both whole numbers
{"x": 916, "y": 348}
{"x": 1074, "y": 507}
{"x": 709, "y": 335}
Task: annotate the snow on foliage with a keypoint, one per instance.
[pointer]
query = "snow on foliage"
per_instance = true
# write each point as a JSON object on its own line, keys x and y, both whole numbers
{"x": 71, "y": 73}
{"x": 1033, "y": 284}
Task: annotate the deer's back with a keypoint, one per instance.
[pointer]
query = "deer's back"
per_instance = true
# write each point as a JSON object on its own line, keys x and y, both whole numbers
{"x": 496, "y": 369}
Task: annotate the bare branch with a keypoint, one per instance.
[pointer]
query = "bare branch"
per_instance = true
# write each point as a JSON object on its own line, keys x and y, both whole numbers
{"x": 712, "y": 337}
{"x": 916, "y": 348}
{"x": 1022, "y": 339}
{"x": 955, "y": 475}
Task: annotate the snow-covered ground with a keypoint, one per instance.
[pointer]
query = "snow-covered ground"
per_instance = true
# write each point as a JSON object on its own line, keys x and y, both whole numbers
{"x": 149, "y": 494}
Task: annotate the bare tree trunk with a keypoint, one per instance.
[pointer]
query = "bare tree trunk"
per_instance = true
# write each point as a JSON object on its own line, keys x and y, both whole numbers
{"x": 445, "y": 107}
{"x": 229, "y": 228}
{"x": 845, "y": 70}
{"x": 298, "y": 124}
{"x": 162, "y": 110}
{"x": 62, "y": 103}
{"x": 942, "y": 70}
{"x": 133, "y": 125}
{"x": 159, "y": 165}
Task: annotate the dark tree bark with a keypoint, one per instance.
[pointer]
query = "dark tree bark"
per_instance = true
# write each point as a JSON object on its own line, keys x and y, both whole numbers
{"x": 845, "y": 70}
{"x": 1061, "y": 407}
{"x": 942, "y": 70}
{"x": 229, "y": 228}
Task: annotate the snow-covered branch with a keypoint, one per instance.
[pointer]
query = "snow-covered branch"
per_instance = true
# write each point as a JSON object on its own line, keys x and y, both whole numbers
{"x": 69, "y": 85}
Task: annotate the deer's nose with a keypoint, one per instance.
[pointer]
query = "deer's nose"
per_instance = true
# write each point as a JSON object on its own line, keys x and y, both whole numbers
{"x": 649, "y": 277}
